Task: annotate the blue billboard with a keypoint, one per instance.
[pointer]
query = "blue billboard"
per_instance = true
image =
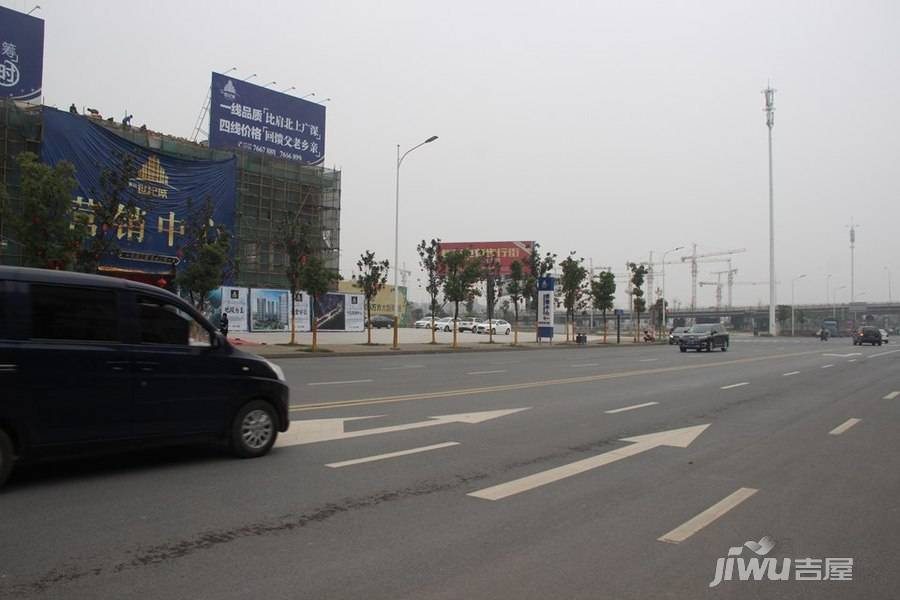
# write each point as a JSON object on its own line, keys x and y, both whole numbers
{"x": 21, "y": 55}
{"x": 250, "y": 117}
{"x": 166, "y": 192}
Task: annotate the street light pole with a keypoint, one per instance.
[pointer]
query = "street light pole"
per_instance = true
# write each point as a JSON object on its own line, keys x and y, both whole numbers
{"x": 834, "y": 301}
{"x": 795, "y": 279}
{"x": 665, "y": 326}
{"x": 770, "y": 122}
{"x": 397, "y": 236}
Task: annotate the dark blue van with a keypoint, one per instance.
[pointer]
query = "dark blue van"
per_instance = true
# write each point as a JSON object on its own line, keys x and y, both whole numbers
{"x": 89, "y": 362}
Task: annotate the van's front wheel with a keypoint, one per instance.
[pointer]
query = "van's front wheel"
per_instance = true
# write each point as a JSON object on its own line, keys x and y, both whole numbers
{"x": 7, "y": 456}
{"x": 253, "y": 431}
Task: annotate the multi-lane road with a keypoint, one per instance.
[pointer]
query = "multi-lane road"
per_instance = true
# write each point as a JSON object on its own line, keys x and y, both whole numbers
{"x": 573, "y": 473}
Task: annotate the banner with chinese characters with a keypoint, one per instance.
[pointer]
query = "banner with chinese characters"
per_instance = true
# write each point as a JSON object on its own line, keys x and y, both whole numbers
{"x": 356, "y": 319}
{"x": 21, "y": 55}
{"x": 301, "y": 313}
{"x": 166, "y": 191}
{"x": 546, "y": 306}
{"x": 505, "y": 253}
{"x": 251, "y": 117}
{"x": 235, "y": 301}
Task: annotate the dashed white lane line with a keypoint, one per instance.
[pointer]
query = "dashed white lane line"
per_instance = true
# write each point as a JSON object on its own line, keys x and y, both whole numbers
{"x": 341, "y": 382}
{"x": 891, "y": 396}
{"x": 734, "y": 385}
{"x": 844, "y": 426}
{"x": 827, "y": 366}
{"x": 852, "y": 360}
{"x": 883, "y": 353}
{"x": 377, "y": 457}
{"x": 585, "y": 365}
{"x": 632, "y": 407}
{"x": 402, "y": 367}
{"x": 648, "y": 359}
{"x": 789, "y": 373}
{"x": 692, "y": 526}
{"x": 486, "y": 372}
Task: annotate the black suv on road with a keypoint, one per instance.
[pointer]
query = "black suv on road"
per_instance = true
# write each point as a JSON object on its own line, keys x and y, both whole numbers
{"x": 867, "y": 335}
{"x": 705, "y": 337}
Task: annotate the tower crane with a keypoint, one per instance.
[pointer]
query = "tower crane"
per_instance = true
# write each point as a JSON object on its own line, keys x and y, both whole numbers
{"x": 693, "y": 256}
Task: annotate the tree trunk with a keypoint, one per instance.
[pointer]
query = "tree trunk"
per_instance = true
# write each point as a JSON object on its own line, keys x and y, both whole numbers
{"x": 455, "y": 316}
{"x": 604, "y": 326}
{"x": 433, "y": 341}
{"x": 293, "y": 318}
{"x": 315, "y": 327}
{"x": 516, "y": 326}
{"x": 369, "y": 320}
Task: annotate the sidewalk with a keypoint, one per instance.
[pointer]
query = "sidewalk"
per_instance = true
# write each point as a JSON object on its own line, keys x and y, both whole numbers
{"x": 412, "y": 341}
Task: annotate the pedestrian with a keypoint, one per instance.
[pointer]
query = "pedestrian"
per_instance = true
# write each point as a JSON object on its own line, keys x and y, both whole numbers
{"x": 223, "y": 324}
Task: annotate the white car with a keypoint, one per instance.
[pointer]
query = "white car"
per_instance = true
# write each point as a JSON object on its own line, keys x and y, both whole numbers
{"x": 497, "y": 326}
{"x": 444, "y": 324}
{"x": 423, "y": 323}
{"x": 884, "y": 335}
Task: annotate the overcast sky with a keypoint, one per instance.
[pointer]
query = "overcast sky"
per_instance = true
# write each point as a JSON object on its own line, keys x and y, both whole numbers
{"x": 608, "y": 128}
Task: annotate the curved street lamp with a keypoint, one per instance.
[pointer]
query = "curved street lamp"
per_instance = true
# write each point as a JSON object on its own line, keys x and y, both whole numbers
{"x": 397, "y": 234}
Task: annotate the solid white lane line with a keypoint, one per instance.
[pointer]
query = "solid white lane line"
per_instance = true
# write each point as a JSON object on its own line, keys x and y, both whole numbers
{"x": 788, "y": 374}
{"x": 827, "y": 366}
{"x": 403, "y": 367}
{"x": 883, "y": 353}
{"x": 486, "y": 372}
{"x": 891, "y": 396}
{"x": 692, "y": 526}
{"x": 734, "y": 385}
{"x": 632, "y": 407}
{"x": 368, "y": 459}
{"x": 341, "y": 382}
{"x": 586, "y": 365}
{"x": 844, "y": 426}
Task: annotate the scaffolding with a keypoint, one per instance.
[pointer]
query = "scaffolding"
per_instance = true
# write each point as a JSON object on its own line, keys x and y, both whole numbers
{"x": 268, "y": 190}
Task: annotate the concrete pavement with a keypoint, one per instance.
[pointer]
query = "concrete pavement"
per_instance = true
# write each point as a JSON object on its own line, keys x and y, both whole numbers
{"x": 382, "y": 505}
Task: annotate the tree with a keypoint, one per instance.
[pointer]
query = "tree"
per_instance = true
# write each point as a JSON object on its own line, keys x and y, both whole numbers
{"x": 371, "y": 279}
{"x": 516, "y": 290}
{"x": 538, "y": 267}
{"x": 296, "y": 243}
{"x": 110, "y": 211}
{"x": 603, "y": 293}
{"x": 316, "y": 279}
{"x": 432, "y": 263}
{"x": 657, "y": 311}
{"x": 638, "y": 272}
{"x": 572, "y": 284}
{"x": 44, "y": 227}
{"x": 206, "y": 256}
{"x": 493, "y": 289}
{"x": 462, "y": 271}
{"x": 782, "y": 314}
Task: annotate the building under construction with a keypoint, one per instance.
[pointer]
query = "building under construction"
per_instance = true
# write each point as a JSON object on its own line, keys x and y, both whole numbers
{"x": 268, "y": 190}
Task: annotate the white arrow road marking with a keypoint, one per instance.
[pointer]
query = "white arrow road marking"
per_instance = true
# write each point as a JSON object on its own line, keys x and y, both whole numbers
{"x": 367, "y": 459}
{"x": 848, "y": 355}
{"x": 844, "y": 426}
{"x": 632, "y": 407}
{"x": 678, "y": 438}
{"x": 891, "y": 396}
{"x": 312, "y": 431}
{"x": 692, "y": 526}
{"x": 791, "y": 373}
{"x": 734, "y": 385}
{"x": 340, "y": 382}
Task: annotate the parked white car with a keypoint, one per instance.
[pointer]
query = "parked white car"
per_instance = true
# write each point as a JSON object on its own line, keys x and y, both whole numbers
{"x": 444, "y": 324}
{"x": 884, "y": 336}
{"x": 423, "y": 323}
{"x": 469, "y": 323}
{"x": 497, "y": 326}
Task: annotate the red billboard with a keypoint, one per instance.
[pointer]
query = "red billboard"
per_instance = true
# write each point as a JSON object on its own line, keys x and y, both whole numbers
{"x": 504, "y": 252}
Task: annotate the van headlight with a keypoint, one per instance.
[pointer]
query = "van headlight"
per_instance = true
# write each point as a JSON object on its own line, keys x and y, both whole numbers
{"x": 279, "y": 373}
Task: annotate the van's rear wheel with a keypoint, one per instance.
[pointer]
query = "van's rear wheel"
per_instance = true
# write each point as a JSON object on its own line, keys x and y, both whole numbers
{"x": 7, "y": 456}
{"x": 254, "y": 430}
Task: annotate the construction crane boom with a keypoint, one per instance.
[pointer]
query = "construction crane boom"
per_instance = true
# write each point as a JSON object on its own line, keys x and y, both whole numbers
{"x": 693, "y": 256}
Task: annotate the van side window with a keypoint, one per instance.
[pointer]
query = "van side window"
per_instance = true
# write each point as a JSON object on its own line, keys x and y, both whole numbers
{"x": 71, "y": 313}
{"x": 165, "y": 323}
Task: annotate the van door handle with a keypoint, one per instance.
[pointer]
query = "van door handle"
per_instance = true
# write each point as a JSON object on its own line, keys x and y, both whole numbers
{"x": 119, "y": 366}
{"x": 146, "y": 366}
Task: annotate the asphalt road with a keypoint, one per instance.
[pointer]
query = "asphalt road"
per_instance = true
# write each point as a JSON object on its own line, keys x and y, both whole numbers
{"x": 523, "y": 488}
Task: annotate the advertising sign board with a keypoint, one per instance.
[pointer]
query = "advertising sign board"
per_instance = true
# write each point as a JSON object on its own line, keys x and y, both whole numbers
{"x": 505, "y": 252}
{"x": 546, "y": 306}
{"x": 21, "y": 55}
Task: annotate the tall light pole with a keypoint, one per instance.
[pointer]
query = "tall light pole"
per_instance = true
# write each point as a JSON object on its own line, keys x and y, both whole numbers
{"x": 665, "y": 326}
{"x": 852, "y": 262}
{"x": 827, "y": 289}
{"x": 834, "y": 301}
{"x": 890, "y": 296}
{"x": 397, "y": 235}
{"x": 770, "y": 123}
{"x": 795, "y": 279}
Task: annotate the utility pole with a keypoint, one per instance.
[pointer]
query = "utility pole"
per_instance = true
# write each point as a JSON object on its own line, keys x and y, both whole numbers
{"x": 852, "y": 261}
{"x": 770, "y": 123}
